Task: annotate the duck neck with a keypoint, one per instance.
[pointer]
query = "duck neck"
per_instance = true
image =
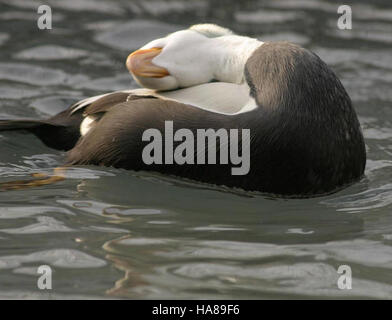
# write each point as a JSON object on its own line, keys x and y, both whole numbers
{"x": 230, "y": 55}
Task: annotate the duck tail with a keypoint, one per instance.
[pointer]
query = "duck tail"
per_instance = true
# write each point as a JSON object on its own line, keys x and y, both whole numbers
{"x": 12, "y": 125}
{"x": 55, "y": 135}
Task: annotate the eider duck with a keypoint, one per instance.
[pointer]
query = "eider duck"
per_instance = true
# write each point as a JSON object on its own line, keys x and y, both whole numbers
{"x": 302, "y": 133}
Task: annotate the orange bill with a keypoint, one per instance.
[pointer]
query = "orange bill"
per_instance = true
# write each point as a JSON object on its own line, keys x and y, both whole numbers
{"x": 140, "y": 64}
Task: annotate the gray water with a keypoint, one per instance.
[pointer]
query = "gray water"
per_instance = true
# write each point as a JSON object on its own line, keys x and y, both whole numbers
{"x": 109, "y": 233}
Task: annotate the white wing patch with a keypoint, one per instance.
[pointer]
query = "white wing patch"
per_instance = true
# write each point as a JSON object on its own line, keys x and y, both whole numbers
{"x": 220, "y": 97}
{"x": 86, "y": 125}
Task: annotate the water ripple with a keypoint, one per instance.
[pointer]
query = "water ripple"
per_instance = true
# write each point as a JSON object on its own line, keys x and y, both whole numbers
{"x": 117, "y": 233}
{"x": 63, "y": 258}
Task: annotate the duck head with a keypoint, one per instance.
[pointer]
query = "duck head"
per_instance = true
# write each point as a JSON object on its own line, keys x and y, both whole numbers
{"x": 200, "y": 54}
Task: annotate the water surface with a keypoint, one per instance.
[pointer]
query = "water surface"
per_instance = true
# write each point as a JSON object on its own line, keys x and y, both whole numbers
{"x": 111, "y": 233}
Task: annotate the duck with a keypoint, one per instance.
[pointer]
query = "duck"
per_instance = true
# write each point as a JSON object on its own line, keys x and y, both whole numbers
{"x": 284, "y": 109}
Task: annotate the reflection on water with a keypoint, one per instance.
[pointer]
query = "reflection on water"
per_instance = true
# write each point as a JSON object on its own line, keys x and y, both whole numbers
{"x": 114, "y": 234}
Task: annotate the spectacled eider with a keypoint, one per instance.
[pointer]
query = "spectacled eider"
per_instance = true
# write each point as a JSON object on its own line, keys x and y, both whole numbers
{"x": 305, "y": 138}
